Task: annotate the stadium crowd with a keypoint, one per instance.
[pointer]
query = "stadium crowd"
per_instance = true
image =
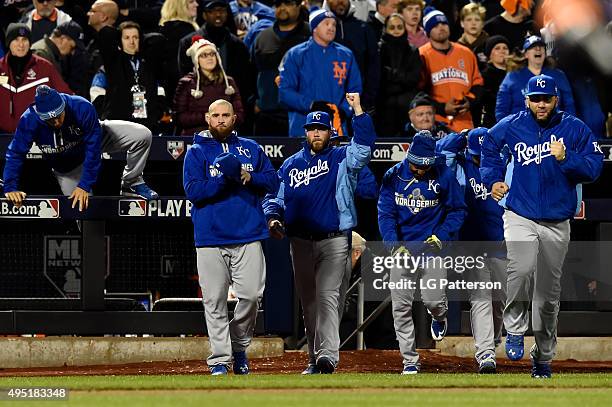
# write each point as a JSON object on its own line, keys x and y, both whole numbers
{"x": 437, "y": 65}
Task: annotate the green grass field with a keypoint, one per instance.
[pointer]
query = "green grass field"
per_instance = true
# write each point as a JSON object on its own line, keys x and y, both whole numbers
{"x": 576, "y": 390}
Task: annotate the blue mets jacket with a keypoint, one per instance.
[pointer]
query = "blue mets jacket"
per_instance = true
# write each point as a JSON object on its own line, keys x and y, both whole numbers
{"x": 483, "y": 221}
{"x": 541, "y": 188}
{"x": 411, "y": 210}
{"x": 78, "y": 141}
{"x": 224, "y": 211}
{"x": 316, "y": 193}
{"x": 310, "y": 72}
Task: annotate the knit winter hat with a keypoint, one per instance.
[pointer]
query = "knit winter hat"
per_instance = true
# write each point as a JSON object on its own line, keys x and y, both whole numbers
{"x": 198, "y": 45}
{"x": 317, "y": 16}
{"x": 422, "y": 149}
{"x": 432, "y": 18}
{"x": 15, "y": 30}
{"x": 493, "y": 41}
{"x": 48, "y": 103}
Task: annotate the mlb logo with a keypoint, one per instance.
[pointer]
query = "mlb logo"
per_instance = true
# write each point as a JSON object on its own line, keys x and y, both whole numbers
{"x": 132, "y": 207}
{"x": 48, "y": 208}
{"x": 581, "y": 215}
{"x": 176, "y": 148}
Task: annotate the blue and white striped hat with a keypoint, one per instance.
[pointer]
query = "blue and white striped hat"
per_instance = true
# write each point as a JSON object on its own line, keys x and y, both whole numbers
{"x": 48, "y": 103}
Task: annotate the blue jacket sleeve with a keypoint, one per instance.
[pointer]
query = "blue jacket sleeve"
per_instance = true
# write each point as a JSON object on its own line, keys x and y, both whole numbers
{"x": 367, "y": 187}
{"x": 387, "y": 211}
{"x": 584, "y": 160}
{"x": 290, "y": 82}
{"x": 16, "y": 155}
{"x": 353, "y": 85}
{"x": 503, "y": 105}
{"x": 451, "y": 145}
{"x": 274, "y": 203}
{"x": 199, "y": 188}
{"x": 492, "y": 167}
{"x": 455, "y": 208}
{"x": 92, "y": 135}
{"x": 359, "y": 151}
{"x": 567, "y": 97}
{"x": 264, "y": 177}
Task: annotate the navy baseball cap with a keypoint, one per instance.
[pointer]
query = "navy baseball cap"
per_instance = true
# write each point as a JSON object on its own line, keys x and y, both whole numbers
{"x": 542, "y": 85}
{"x": 211, "y": 4}
{"x": 532, "y": 41}
{"x": 474, "y": 140}
{"x": 317, "y": 118}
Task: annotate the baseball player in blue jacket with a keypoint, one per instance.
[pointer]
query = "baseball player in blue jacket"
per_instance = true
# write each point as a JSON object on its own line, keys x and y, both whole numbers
{"x": 420, "y": 208}
{"x": 67, "y": 131}
{"x": 552, "y": 151}
{"x": 226, "y": 177}
{"x": 483, "y": 223}
{"x": 317, "y": 71}
{"x": 315, "y": 207}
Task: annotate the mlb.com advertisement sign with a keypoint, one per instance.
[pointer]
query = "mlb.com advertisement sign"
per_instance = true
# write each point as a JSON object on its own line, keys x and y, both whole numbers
{"x": 31, "y": 209}
{"x": 158, "y": 208}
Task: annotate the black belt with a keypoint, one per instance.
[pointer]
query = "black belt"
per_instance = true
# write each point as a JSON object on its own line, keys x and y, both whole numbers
{"x": 319, "y": 236}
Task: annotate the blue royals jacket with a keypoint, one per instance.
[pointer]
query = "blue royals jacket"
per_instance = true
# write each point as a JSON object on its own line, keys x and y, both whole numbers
{"x": 541, "y": 188}
{"x": 310, "y": 72}
{"x": 411, "y": 210}
{"x": 316, "y": 193}
{"x": 484, "y": 214}
{"x": 78, "y": 141}
{"x": 224, "y": 211}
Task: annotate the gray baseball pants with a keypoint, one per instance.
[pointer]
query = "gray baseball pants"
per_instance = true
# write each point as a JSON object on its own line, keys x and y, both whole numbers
{"x": 117, "y": 136}
{"x": 434, "y": 300}
{"x": 531, "y": 244}
{"x": 319, "y": 267}
{"x": 487, "y": 307}
{"x": 242, "y": 266}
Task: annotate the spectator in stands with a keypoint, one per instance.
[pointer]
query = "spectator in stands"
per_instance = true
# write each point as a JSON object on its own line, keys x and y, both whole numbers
{"x": 62, "y": 42}
{"x": 361, "y": 39}
{"x": 132, "y": 71}
{"x": 496, "y": 51}
{"x": 43, "y": 19}
{"x": 412, "y": 11}
{"x": 269, "y": 49}
{"x": 376, "y": 19}
{"x": 199, "y": 89}
{"x": 472, "y": 21}
{"x": 101, "y": 14}
{"x": 450, "y": 73}
{"x": 177, "y": 21}
{"x": 363, "y": 8}
{"x": 401, "y": 69}
{"x": 421, "y": 112}
{"x": 248, "y": 12}
{"x": 513, "y": 23}
{"x": 317, "y": 74}
{"x": 20, "y": 74}
{"x": 234, "y": 54}
{"x": 511, "y": 97}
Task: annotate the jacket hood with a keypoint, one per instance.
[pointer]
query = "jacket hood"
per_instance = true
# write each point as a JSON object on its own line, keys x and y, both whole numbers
{"x": 204, "y": 137}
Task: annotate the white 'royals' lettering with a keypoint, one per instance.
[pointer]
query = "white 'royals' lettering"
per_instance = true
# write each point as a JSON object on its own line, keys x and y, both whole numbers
{"x": 303, "y": 177}
{"x": 480, "y": 191}
{"x": 529, "y": 154}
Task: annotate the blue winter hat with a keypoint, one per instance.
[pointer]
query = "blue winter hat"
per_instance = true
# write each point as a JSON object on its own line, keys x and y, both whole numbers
{"x": 317, "y": 16}
{"x": 432, "y": 18}
{"x": 423, "y": 149}
{"x": 532, "y": 41}
{"x": 48, "y": 103}
{"x": 474, "y": 140}
{"x": 542, "y": 85}
{"x": 318, "y": 118}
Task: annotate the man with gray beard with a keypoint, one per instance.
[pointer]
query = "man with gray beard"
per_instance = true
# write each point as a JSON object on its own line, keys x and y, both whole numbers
{"x": 314, "y": 207}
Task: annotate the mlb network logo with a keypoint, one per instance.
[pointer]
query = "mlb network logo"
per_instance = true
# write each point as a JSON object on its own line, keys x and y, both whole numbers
{"x": 31, "y": 209}
{"x": 132, "y": 207}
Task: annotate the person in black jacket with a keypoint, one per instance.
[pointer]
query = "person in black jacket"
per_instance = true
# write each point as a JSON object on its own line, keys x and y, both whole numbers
{"x": 401, "y": 68}
{"x": 268, "y": 51}
{"x": 359, "y": 37}
{"x": 496, "y": 50}
{"x": 132, "y": 74}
